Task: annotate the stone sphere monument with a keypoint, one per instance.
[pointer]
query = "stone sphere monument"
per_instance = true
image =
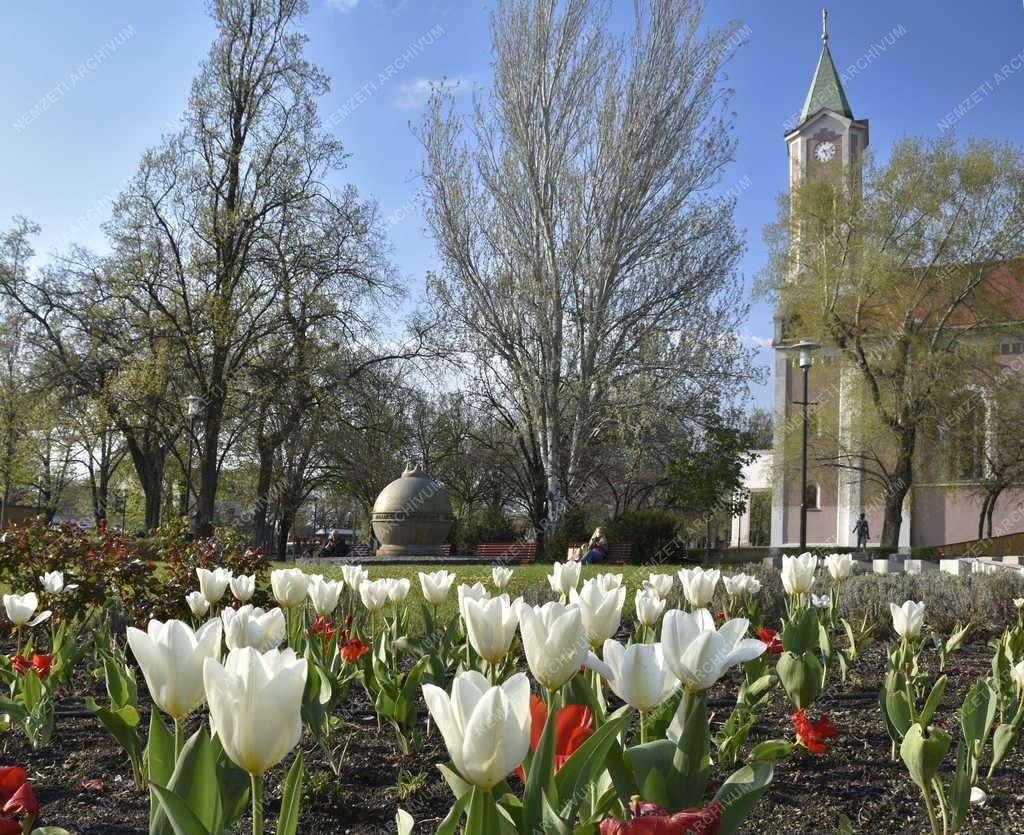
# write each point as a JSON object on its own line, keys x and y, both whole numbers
{"x": 412, "y": 516}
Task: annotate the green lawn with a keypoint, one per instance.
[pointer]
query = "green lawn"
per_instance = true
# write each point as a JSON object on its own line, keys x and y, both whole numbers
{"x": 529, "y": 581}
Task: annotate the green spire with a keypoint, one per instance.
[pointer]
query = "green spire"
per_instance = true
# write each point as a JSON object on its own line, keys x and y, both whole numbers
{"x": 826, "y": 88}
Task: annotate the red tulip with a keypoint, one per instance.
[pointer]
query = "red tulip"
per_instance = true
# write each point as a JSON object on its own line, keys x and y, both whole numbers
{"x": 573, "y": 724}
{"x": 353, "y": 650}
{"x": 651, "y": 819}
{"x": 41, "y": 664}
{"x": 22, "y": 802}
{"x": 770, "y": 637}
{"x": 812, "y": 735}
{"x": 19, "y": 664}
{"x": 10, "y": 827}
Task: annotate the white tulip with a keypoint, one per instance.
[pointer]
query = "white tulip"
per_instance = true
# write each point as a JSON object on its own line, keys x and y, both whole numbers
{"x": 840, "y": 566}
{"x": 564, "y": 577}
{"x": 214, "y": 583}
{"x": 464, "y": 592}
{"x": 907, "y": 619}
{"x": 609, "y": 581}
{"x": 354, "y": 576}
{"x": 436, "y": 585}
{"x": 243, "y": 587}
{"x": 640, "y": 676}
{"x": 698, "y": 654}
{"x": 740, "y": 584}
{"x": 1017, "y": 674}
{"x": 171, "y": 656}
{"x": 500, "y": 576}
{"x": 553, "y": 640}
{"x": 374, "y": 594}
{"x": 490, "y": 626}
{"x": 398, "y": 590}
{"x": 660, "y": 584}
{"x": 821, "y": 602}
{"x": 53, "y": 582}
{"x": 21, "y": 607}
{"x": 1018, "y": 602}
{"x": 324, "y": 594}
{"x": 649, "y": 607}
{"x": 290, "y": 586}
{"x": 251, "y": 626}
{"x": 798, "y": 573}
{"x": 601, "y": 611}
{"x": 486, "y": 729}
{"x": 197, "y": 603}
{"x": 699, "y": 585}
{"x": 255, "y": 705}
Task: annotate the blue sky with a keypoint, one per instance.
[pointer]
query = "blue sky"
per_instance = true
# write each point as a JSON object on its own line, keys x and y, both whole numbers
{"x": 90, "y": 84}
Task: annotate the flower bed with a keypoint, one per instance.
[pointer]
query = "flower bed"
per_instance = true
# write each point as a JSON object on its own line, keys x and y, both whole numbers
{"x": 748, "y": 703}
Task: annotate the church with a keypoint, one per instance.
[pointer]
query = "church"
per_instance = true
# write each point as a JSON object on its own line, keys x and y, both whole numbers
{"x": 944, "y": 503}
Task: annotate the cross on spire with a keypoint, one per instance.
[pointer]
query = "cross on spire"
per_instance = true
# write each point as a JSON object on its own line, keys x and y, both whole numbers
{"x": 824, "y": 26}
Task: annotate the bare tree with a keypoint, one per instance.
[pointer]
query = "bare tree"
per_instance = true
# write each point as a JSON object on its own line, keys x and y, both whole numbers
{"x": 585, "y": 265}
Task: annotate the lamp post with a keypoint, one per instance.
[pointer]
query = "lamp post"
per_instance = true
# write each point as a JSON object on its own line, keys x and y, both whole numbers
{"x": 194, "y": 403}
{"x": 123, "y": 488}
{"x": 805, "y": 347}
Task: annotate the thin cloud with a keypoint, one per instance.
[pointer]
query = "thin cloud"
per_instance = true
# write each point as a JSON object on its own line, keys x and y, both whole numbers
{"x": 342, "y": 6}
{"x": 414, "y": 95}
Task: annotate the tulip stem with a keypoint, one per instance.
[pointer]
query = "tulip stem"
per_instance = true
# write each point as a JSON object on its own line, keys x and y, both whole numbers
{"x": 942, "y": 805}
{"x": 643, "y": 727}
{"x": 179, "y": 738}
{"x": 257, "y": 803}
{"x": 931, "y": 810}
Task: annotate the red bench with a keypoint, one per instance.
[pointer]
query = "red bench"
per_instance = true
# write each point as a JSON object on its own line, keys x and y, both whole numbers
{"x": 619, "y": 553}
{"x": 524, "y": 552}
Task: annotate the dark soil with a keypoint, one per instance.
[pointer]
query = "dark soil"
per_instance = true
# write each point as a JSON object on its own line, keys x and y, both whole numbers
{"x": 809, "y": 793}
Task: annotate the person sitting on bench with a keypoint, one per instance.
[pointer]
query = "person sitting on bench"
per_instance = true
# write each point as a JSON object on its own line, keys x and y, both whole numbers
{"x": 597, "y": 551}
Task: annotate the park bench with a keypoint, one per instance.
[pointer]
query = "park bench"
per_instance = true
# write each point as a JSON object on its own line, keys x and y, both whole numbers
{"x": 619, "y": 553}
{"x": 523, "y": 552}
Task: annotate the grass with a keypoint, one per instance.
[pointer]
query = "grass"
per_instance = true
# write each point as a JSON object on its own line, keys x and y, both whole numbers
{"x": 528, "y": 581}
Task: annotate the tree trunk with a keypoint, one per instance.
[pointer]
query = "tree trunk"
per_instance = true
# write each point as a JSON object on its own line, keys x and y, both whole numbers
{"x": 991, "y": 508}
{"x": 261, "y": 533}
{"x": 899, "y": 486}
{"x": 983, "y": 515}
{"x": 209, "y": 470}
{"x": 285, "y": 523}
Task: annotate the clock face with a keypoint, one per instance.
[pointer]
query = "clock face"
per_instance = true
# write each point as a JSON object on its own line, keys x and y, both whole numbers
{"x": 824, "y": 151}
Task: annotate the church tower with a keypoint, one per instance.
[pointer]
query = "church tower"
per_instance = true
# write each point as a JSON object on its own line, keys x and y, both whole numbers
{"x": 826, "y": 137}
{"x": 826, "y": 133}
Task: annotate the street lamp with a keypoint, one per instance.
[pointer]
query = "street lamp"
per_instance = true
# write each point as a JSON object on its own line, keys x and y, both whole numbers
{"x": 805, "y": 347}
{"x": 194, "y": 404}
{"x": 123, "y": 488}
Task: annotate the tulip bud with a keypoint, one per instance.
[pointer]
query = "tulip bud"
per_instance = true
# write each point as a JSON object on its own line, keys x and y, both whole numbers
{"x": 436, "y": 586}
{"x": 243, "y": 587}
{"x": 171, "y": 656}
{"x": 290, "y": 586}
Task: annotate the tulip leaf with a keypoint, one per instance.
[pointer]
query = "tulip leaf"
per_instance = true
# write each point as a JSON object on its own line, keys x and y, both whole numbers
{"x": 587, "y": 762}
{"x": 773, "y": 749}
{"x": 932, "y": 704}
{"x": 195, "y": 781}
{"x": 404, "y": 822}
{"x": 540, "y": 775}
{"x": 800, "y": 632}
{"x": 159, "y": 758}
{"x": 1002, "y": 742}
{"x": 553, "y": 824}
{"x": 923, "y": 752}
{"x": 691, "y": 762}
{"x": 450, "y": 824}
{"x": 182, "y": 819}
{"x": 801, "y": 677}
{"x": 460, "y": 788}
{"x": 741, "y": 791}
{"x": 978, "y": 712}
{"x": 288, "y": 819}
{"x": 960, "y": 793}
{"x": 483, "y": 818}
{"x": 622, "y": 774}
